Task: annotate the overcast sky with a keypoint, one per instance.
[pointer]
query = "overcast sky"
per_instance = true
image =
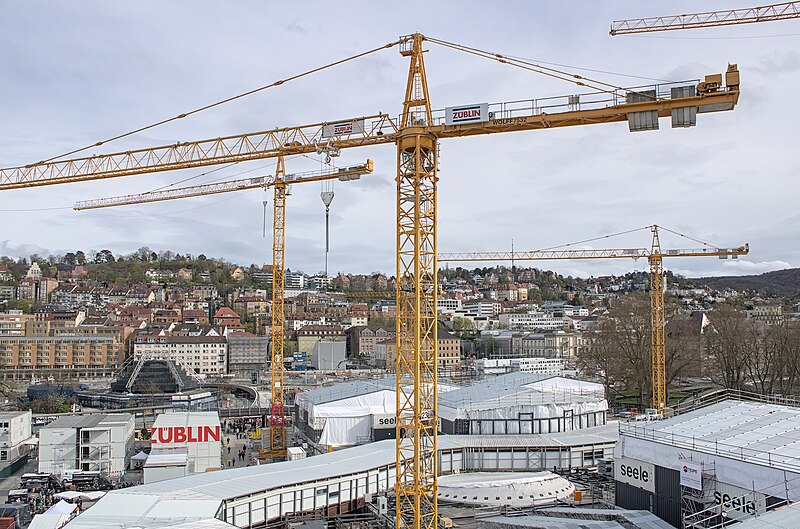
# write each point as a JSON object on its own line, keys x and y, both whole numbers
{"x": 77, "y": 72}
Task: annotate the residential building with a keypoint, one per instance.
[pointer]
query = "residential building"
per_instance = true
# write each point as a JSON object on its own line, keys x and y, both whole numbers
{"x": 447, "y": 304}
{"x": 309, "y": 335}
{"x": 46, "y": 287}
{"x": 247, "y": 352}
{"x": 449, "y": 348}
{"x": 237, "y": 274}
{"x": 98, "y": 442}
{"x": 206, "y": 353}
{"x": 5, "y": 274}
{"x": 227, "y": 317}
{"x": 34, "y": 272}
{"x": 295, "y": 280}
{"x": 364, "y": 340}
{"x": 27, "y": 289}
{"x": 532, "y": 321}
{"x": 185, "y": 274}
{"x": 60, "y": 348}
{"x": 7, "y": 292}
{"x": 767, "y": 313}
{"x": 249, "y": 306}
{"x": 158, "y": 276}
{"x": 12, "y": 322}
{"x": 482, "y": 307}
{"x": 319, "y": 282}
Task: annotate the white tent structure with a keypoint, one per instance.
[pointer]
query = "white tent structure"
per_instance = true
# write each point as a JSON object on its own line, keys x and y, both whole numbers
{"x": 347, "y": 414}
{"x": 523, "y": 403}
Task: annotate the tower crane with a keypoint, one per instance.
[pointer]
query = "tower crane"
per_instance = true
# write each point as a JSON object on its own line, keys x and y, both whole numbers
{"x": 654, "y": 255}
{"x": 416, "y": 133}
{"x": 279, "y": 183}
{"x": 727, "y": 17}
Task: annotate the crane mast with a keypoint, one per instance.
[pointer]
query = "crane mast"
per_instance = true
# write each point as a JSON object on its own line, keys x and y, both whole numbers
{"x": 416, "y": 291}
{"x": 277, "y": 419}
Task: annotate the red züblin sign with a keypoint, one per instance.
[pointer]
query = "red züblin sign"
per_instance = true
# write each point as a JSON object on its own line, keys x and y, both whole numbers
{"x": 184, "y": 434}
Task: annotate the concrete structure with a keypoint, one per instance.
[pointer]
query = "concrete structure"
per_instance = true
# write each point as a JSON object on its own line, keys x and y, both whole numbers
{"x": 15, "y": 435}
{"x": 494, "y": 489}
{"x": 333, "y": 483}
{"x": 328, "y": 355}
{"x": 102, "y": 442}
{"x": 385, "y": 354}
{"x": 735, "y": 457}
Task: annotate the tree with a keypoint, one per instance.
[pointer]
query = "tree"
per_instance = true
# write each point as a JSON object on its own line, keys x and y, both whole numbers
{"x": 463, "y": 327}
{"x": 104, "y": 256}
{"x": 620, "y": 351}
{"x": 80, "y": 257}
{"x": 69, "y": 258}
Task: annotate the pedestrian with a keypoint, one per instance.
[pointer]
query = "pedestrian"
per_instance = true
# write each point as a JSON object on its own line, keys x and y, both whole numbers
{"x": 229, "y": 450}
{"x": 229, "y": 441}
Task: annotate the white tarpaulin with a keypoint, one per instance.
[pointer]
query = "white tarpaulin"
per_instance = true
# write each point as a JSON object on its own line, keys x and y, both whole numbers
{"x": 556, "y": 384}
{"x": 62, "y": 507}
{"x": 141, "y": 456}
{"x": 377, "y": 402}
{"x": 89, "y": 495}
{"x": 344, "y": 431}
{"x": 49, "y": 521}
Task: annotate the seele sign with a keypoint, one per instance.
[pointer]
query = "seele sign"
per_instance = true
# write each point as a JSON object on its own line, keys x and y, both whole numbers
{"x": 184, "y": 434}
{"x": 466, "y": 114}
{"x": 637, "y": 473}
{"x": 738, "y": 503}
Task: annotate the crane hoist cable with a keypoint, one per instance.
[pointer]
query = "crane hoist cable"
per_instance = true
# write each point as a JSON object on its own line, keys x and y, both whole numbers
{"x": 222, "y": 101}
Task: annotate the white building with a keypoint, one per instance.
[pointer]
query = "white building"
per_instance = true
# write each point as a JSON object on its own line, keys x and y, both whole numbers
{"x": 319, "y": 282}
{"x": 533, "y": 321}
{"x": 183, "y": 443}
{"x": 207, "y": 354}
{"x": 15, "y": 435}
{"x": 545, "y": 366}
{"x": 483, "y": 307}
{"x": 295, "y": 280}
{"x": 102, "y": 442}
{"x": 447, "y": 304}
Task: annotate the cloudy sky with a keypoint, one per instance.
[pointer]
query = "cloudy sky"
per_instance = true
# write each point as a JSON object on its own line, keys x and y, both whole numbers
{"x": 77, "y": 72}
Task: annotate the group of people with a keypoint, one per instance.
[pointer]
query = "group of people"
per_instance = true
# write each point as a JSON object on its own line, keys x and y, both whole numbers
{"x": 241, "y": 454}
{"x": 240, "y": 427}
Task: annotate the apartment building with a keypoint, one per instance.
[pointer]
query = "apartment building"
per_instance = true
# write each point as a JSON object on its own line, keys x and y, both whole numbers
{"x": 534, "y": 321}
{"x": 15, "y": 434}
{"x": 449, "y": 347}
{"x": 309, "y": 335}
{"x": 12, "y": 323}
{"x": 204, "y": 354}
{"x": 59, "y": 348}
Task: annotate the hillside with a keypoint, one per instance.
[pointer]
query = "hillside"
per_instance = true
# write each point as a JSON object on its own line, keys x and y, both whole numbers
{"x": 781, "y": 283}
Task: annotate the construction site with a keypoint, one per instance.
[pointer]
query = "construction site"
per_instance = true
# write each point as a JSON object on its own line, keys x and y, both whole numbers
{"x": 411, "y": 448}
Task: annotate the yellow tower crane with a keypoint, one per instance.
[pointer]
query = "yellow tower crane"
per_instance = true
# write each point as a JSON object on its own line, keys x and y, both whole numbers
{"x": 279, "y": 183}
{"x": 415, "y": 133}
{"x": 654, "y": 255}
{"x": 726, "y": 17}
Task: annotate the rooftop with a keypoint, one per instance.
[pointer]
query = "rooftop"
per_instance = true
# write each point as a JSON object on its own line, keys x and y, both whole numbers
{"x": 760, "y": 433}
